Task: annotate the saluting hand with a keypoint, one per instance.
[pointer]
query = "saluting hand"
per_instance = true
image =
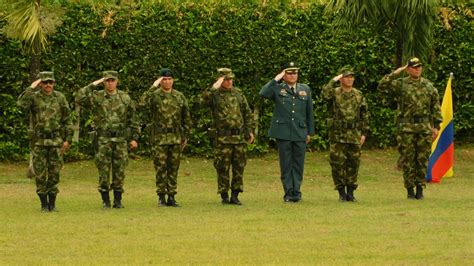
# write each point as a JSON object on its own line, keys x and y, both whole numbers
{"x": 251, "y": 138}
{"x": 157, "y": 82}
{"x": 35, "y": 83}
{"x": 218, "y": 83}
{"x": 434, "y": 133}
{"x": 362, "y": 140}
{"x": 337, "y": 78}
{"x": 65, "y": 147}
{"x": 97, "y": 82}
{"x": 280, "y": 76}
{"x": 400, "y": 69}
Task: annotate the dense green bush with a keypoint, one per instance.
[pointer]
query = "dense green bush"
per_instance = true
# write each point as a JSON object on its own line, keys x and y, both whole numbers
{"x": 194, "y": 40}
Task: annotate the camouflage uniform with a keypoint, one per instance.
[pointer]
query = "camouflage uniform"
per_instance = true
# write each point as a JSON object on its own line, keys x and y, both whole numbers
{"x": 418, "y": 112}
{"x": 51, "y": 126}
{"x": 170, "y": 123}
{"x": 233, "y": 123}
{"x": 348, "y": 121}
{"x": 116, "y": 124}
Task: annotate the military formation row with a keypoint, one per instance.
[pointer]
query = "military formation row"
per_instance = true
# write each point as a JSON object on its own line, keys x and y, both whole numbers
{"x": 168, "y": 121}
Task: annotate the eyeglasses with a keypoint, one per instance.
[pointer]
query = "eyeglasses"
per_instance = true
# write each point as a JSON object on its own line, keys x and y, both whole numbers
{"x": 46, "y": 82}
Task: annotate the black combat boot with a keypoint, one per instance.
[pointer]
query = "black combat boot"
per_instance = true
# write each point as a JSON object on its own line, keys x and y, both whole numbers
{"x": 350, "y": 194}
{"x": 161, "y": 200}
{"x": 234, "y": 198}
{"x": 44, "y": 202}
{"x": 52, "y": 203}
{"x": 172, "y": 202}
{"x": 105, "y": 199}
{"x": 118, "y": 200}
{"x": 225, "y": 198}
{"x": 410, "y": 193}
{"x": 419, "y": 192}
{"x": 342, "y": 194}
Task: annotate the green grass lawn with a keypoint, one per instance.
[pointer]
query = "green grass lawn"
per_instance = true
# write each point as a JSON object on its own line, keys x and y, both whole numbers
{"x": 383, "y": 227}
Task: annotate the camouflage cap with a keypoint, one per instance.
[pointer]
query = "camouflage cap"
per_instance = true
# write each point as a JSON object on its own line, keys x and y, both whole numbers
{"x": 414, "y": 62}
{"x": 110, "y": 74}
{"x": 166, "y": 72}
{"x": 46, "y": 75}
{"x": 289, "y": 67}
{"x": 226, "y": 73}
{"x": 346, "y": 71}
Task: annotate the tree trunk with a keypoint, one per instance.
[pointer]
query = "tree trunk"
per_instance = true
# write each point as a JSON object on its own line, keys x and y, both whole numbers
{"x": 35, "y": 65}
{"x": 399, "y": 52}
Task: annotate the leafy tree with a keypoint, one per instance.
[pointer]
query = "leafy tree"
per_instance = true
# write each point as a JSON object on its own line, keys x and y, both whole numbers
{"x": 410, "y": 22}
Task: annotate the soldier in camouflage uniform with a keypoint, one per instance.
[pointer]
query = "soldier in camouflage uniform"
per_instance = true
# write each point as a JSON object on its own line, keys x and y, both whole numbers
{"x": 234, "y": 126}
{"x": 114, "y": 116}
{"x": 50, "y": 134}
{"x": 348, "y": 124}
{"x": 169, "y": 124}
{"x": 419, "y": 116}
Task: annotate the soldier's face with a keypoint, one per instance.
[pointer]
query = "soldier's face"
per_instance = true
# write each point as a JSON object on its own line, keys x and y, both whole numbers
{"x": 414, "y": 72}
{"x": 47, "y": 86}
{"x": 290, "y": 77}
{"x": 110, "y": 84}
{"x": 347, "y": 81}
{"x": 167, "y": 83}
{"x": 227, "y": 83}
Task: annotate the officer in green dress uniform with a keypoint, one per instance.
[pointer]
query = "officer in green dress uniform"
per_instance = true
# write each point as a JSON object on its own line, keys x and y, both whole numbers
{"x": 292, "y": 125}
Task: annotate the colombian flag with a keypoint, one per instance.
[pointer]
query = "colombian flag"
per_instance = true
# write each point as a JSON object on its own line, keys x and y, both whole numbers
{"x": 442, "y": 150}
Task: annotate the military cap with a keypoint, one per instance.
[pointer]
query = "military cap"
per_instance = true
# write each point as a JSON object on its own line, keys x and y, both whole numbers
{"x": 414, "y": 62}
{"x": 110, "y": 74}
{"x": 346, "y": 71}
{"x": 46, "y": 75}
{"x": 226, "y": 73}
{"x": 289, "y": 67}
{"x": 166, "y": 72}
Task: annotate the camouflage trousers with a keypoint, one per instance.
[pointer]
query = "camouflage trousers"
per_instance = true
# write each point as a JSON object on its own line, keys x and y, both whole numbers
{"x": 345, "y": 161}
{"x": 47, "y": 162}
{"x": 415, "y": 148}
{"x": 226, "y": 155}
{"x": 166, "y": 159}
{"x": 111, "y": 158}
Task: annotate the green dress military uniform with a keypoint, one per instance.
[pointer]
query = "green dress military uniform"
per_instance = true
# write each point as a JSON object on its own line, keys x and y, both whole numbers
{"x": 169, "y": 125}
{"x": 116, "y": 125}
{"x": 233, "y": 122}
{"x": 291, "y": 123}
{"x": 348, "y": 120}
{"x": 51, "y": 127}
{"x": 418, "y": 112}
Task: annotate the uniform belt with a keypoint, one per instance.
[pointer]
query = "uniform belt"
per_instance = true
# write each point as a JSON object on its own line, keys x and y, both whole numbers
{"x": 229, "y": 132}
{"x": 111, "y": 134}
{"x": 414, "y": 120}
{"x": 166, "y": 130}
{"x": 48, "y": 135}
{"x": 346, "y": 125}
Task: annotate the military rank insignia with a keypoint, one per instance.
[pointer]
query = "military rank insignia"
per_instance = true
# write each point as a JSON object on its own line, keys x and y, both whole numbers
{"x": 302, "y": 93}
{"x": 283, "y": 92}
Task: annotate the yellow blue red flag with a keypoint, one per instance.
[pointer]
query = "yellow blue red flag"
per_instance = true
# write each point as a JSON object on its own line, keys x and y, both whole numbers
{"x": 442, "y": 150}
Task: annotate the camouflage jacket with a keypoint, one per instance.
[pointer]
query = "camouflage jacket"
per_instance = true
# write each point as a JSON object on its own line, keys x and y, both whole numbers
{"x": 418, "y": 102}
{"x": 348, "y": 111}
{"x": 114, "y": 116}
{"x": 168, "y": 116}
{"x": 231, "y": 114}
{"x": 51, "y": 117}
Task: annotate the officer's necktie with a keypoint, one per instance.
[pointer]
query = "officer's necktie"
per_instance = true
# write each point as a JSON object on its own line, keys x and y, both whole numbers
{"x": 293, "y": 90}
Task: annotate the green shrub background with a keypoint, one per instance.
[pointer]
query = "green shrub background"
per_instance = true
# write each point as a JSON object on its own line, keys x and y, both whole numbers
{"x": 195, "y": 39}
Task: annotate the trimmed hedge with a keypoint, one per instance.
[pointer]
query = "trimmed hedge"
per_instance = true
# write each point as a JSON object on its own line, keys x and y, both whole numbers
{"x": 195, "y": 39}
